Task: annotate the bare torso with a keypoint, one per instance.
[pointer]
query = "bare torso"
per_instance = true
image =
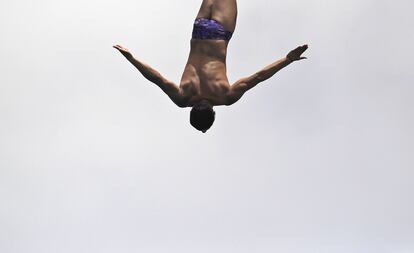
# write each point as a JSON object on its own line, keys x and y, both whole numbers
{"x": 205, "y": 74}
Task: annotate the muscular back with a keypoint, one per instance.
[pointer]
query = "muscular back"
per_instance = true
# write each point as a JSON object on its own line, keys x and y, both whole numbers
{"x": 205, "y": 75}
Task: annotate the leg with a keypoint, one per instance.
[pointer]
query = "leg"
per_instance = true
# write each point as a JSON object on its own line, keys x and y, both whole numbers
{"x": 224, "y": 11}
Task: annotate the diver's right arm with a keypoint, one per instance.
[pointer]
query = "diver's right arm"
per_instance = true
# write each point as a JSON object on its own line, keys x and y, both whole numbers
{"x": 152, "y": 75}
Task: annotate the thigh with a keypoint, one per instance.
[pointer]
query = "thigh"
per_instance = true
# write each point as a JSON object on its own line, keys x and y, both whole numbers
{"x": 225, "y": 11}
{"x": 205, "y": 9}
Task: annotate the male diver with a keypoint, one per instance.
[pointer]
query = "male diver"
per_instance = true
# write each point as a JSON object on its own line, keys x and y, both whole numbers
{"x": 204, "y": 82}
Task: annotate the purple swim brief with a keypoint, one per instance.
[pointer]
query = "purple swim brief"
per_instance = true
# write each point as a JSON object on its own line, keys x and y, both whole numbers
{"x": 210, "y": 29}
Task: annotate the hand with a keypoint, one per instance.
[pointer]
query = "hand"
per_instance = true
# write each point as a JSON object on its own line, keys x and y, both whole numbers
{"x": 125, "y": 52}
{"x": 295, "y": 54}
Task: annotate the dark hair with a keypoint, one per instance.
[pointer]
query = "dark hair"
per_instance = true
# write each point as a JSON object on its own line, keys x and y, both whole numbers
{"x": 202, "y": 116}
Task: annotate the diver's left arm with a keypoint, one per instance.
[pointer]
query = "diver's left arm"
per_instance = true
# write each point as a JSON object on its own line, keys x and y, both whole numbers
{"x": 244, "y": 84}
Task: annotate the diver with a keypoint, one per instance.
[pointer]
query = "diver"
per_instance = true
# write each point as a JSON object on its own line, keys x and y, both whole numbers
{"x": 204, "y": 82}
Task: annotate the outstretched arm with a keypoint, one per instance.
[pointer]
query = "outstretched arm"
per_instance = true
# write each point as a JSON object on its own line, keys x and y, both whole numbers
{"x": 153, "y": 76}
{"x": 244, "y": 84}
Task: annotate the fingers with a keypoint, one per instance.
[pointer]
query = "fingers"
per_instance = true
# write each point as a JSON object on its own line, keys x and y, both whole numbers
{"x": 304, "y": 47}
{"x": 301, "y": 50}
{"x": 119, "y": 47}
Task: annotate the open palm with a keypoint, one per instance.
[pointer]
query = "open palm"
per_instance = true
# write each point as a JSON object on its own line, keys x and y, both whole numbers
{"x": 296, "y": 54}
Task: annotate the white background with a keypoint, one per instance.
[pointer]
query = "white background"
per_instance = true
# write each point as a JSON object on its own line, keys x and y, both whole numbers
{"x": 94, "y": 158}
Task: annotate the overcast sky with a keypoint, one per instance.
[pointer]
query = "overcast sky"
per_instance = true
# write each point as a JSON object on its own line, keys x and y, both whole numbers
{"x": 93, "y": 158}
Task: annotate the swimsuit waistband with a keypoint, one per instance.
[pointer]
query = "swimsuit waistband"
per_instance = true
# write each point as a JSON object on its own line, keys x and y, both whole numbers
{"x": 205, "y": 28}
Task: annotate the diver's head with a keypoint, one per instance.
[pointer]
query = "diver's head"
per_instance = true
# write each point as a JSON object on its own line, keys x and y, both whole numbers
{"x": 202, "y": 116}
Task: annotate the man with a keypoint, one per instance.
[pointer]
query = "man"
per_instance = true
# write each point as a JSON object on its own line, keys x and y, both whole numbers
{"x": 204, "y": 83}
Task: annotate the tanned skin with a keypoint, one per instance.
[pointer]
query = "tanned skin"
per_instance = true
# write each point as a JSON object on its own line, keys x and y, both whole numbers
{"x": 205, "y": 74}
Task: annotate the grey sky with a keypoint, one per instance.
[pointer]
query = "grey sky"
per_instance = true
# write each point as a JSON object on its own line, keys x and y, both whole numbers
{"x": 93, "y": 158}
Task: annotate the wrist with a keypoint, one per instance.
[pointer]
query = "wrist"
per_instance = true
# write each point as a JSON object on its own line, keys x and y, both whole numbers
{"x": 288, "y": 60}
